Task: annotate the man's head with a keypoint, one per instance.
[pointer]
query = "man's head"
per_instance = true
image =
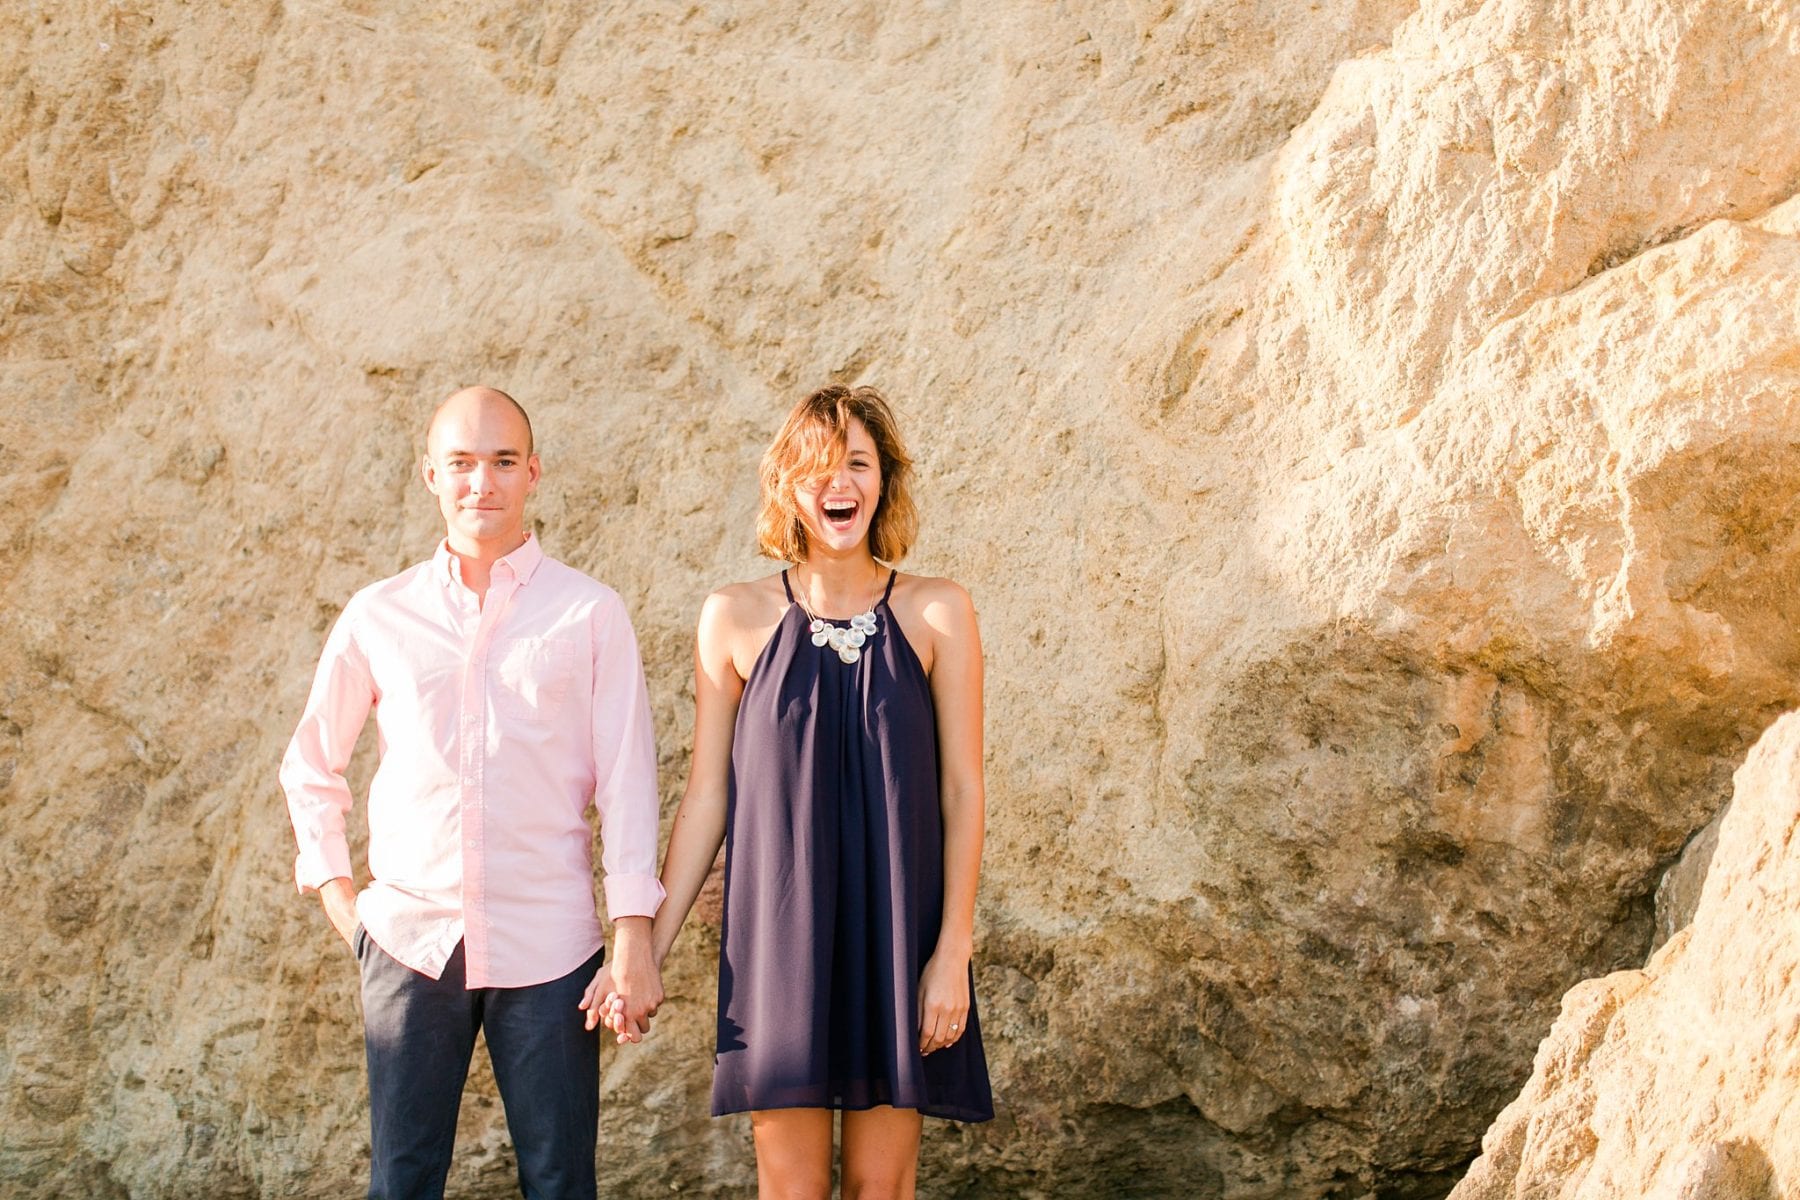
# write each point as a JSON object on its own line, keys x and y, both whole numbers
{"x": 480, "y": 464}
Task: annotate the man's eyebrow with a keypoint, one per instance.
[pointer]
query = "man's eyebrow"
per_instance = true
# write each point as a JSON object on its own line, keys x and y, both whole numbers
{"x": 503, "y": 453}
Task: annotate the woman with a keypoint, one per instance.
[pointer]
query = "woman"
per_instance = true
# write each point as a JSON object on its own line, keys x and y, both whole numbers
{"x": 837, "y": 752}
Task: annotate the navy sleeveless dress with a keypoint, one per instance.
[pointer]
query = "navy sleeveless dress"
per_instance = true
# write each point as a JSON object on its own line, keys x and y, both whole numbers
{"x": 834, "y": 881}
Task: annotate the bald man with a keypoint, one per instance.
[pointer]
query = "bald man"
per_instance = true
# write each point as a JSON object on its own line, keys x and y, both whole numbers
{"x": 510, "y": 700}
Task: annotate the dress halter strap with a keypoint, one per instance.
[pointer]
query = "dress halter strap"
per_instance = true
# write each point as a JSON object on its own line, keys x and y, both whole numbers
{"x": 893, "y": 574}
{"x": 785, "y": 587}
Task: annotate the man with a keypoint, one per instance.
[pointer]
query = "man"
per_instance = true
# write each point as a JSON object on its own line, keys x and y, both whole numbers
{"x": 509, "y": 696}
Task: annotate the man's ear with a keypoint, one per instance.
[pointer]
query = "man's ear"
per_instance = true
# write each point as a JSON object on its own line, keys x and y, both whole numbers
{"x": 534, "y": 471}
{"x": 428, "y": 473}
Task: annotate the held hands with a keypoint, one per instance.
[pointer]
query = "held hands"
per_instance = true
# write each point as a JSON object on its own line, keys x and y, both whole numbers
{"x": 626, "y": 992}
{"x": 943, "y": 1000}
{"x": 602, "y": 1004}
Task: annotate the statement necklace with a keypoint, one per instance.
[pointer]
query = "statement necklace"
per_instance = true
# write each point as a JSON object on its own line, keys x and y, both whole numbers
{"x": 846, "y": 641}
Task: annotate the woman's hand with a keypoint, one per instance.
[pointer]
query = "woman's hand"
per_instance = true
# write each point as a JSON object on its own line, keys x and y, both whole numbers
{"x": 943, "y": 1000}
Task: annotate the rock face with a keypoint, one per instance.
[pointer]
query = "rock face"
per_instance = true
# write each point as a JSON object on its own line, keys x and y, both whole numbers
{"x": 1680, "y": 1081}
{"x": 1368, "y": 431}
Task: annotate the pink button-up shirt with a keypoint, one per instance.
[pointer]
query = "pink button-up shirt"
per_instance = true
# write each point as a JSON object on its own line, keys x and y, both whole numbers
{"x": 498, "y": 723}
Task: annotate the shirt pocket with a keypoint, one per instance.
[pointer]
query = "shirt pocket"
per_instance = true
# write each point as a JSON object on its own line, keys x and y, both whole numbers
{"x": 532, "y": 677}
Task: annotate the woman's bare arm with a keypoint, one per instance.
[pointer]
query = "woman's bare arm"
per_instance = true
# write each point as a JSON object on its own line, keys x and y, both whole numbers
{"x": 956, "y": 692}
{"x": 699, "y": 825}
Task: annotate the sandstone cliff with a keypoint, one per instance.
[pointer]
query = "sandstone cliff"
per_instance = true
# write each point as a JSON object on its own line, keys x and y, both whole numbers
{"x": 1367, "y": 430}
{"x": 1681, "y": 1081}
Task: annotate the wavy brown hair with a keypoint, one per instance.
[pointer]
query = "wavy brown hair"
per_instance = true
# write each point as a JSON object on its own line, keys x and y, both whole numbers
{"x": 810, "y": 444}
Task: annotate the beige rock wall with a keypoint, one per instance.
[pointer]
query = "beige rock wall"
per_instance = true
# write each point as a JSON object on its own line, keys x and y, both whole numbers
{"x": 1367, "y": 429}
{"x": 1680, "y": 1081}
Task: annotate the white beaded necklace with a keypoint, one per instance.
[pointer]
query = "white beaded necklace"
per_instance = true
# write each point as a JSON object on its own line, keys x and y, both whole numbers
{"x": 847, "y": 642}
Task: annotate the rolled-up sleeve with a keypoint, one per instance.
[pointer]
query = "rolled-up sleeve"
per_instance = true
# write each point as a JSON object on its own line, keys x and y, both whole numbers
{"x": 312, "y": 770}
{"x": 624, "y": 767}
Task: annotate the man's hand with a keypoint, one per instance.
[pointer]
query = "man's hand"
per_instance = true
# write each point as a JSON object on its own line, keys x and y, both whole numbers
{"x": 339, "y": 898}
{"x": 636, "y": 983}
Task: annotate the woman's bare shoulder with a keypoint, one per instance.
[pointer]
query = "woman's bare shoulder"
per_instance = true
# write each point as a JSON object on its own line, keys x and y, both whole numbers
{"x": 924, "y": 593}
{"x": 937, "y": 611}
{"x": 747, "y": 605}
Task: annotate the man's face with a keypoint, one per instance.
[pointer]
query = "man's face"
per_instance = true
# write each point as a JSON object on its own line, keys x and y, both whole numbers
{"x": 479, "y": 466}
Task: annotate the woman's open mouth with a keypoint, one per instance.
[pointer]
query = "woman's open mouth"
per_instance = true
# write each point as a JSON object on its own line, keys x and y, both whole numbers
{"x": 839, "y": 514}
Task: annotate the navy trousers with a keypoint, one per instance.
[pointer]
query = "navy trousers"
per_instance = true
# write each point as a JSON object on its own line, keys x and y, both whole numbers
{"x": 419, "y": 1034}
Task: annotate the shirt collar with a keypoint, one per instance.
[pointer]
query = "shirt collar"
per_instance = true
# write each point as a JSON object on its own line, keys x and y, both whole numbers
{"x": 523, "y": 562}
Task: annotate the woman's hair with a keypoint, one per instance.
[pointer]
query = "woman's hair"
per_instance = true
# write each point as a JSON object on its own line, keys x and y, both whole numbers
{"x": 809, "y": 446}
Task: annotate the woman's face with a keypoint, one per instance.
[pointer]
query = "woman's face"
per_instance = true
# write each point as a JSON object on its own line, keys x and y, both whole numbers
{"x": 838, "y": 508}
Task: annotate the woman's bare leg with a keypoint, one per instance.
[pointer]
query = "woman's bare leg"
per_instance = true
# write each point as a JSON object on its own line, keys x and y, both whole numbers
{"x": 881, "y": 1154}
{"x": 793, "y": 1153}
